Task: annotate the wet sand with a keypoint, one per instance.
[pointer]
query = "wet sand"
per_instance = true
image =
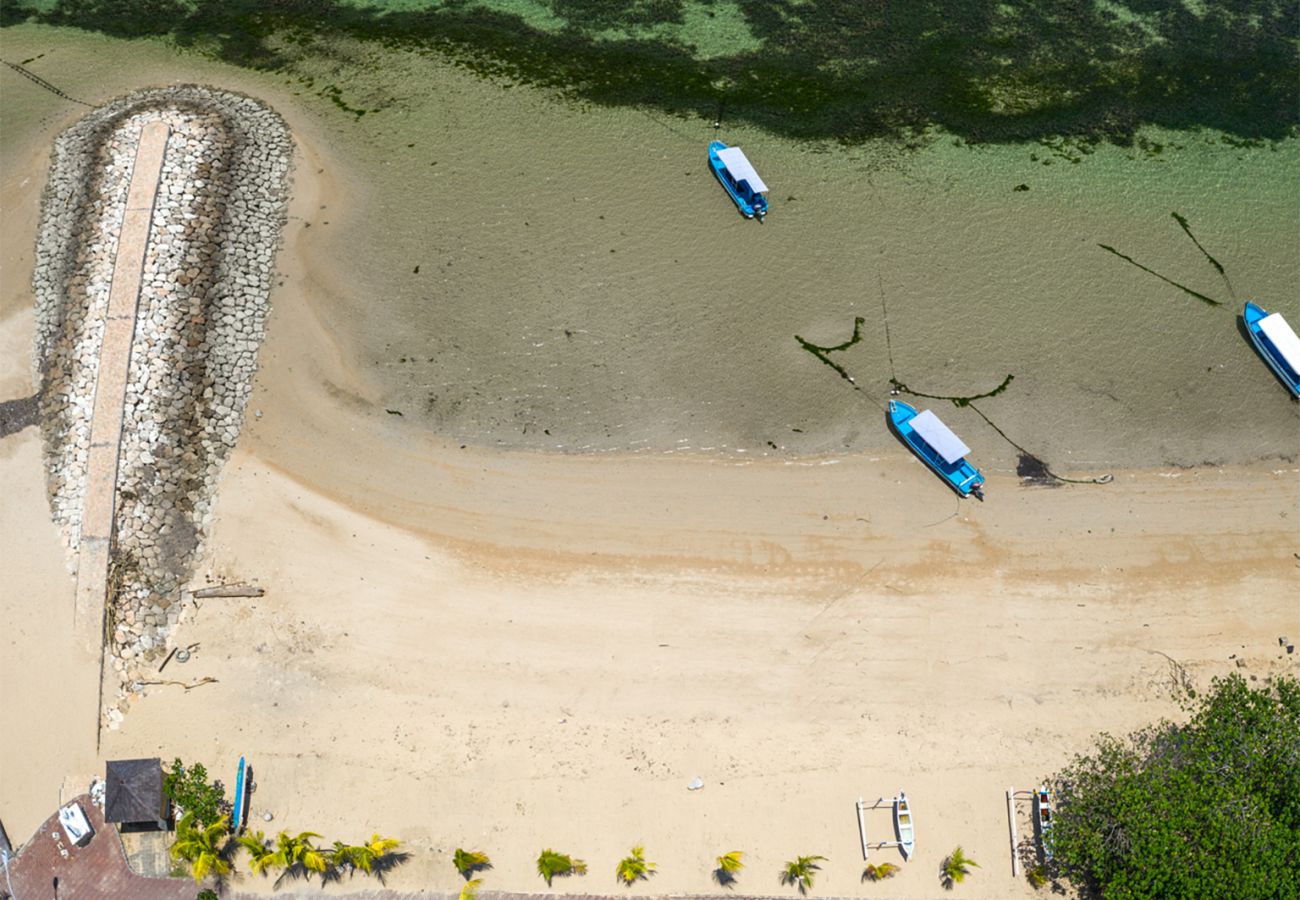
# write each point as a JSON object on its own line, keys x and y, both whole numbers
{"x": 506, "y": 649}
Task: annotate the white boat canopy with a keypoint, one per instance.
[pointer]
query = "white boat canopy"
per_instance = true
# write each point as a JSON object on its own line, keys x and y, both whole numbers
{"x": 741, "y": 170}
{"x": 939, "y": 436}
{"x": 1279, "y": 333}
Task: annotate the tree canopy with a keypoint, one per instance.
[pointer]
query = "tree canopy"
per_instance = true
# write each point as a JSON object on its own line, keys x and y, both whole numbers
{"x": 1209, "y": 808}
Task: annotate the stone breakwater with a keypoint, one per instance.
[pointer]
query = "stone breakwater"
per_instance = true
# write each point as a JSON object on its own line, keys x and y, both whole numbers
{"x": 207, "y": 276}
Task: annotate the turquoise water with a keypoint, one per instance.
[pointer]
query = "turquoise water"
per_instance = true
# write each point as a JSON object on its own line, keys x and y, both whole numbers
{"x": 584, "y": 286}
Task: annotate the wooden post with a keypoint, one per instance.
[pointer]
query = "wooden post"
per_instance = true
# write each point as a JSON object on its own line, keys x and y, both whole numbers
{"x": 1011, "y": 821}
{"x": 862, "y": 825}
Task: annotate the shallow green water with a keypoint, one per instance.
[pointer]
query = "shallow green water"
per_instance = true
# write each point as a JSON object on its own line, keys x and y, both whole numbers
{"x": 585, "y": 285}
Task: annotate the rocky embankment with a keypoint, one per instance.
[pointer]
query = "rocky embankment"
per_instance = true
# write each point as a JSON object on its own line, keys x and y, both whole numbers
{"x": 201, "y": 316}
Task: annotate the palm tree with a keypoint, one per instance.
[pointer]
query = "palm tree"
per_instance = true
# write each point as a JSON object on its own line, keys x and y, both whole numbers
{"x": 955, "y": 868}
{"x": 470, "y": 890}
{"x": 551, "y": 865}
{"x": 880, "y": 872}
{"x": 202, "y": 847}
{"x": 801, "y": 871}
{"x": 365, "y": 856}
{"x": 261, "y": 855}
{"x": 467, "y": 862}
{"x": 297, "y": 853}
{"x": 634, "y": 868}
{"x": 729, "y": 865}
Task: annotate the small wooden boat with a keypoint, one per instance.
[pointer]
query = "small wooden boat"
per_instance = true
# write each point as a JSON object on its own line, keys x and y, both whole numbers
{"x": 937, "y": 447}
{"x": 1043, "y": 819}
{"x": 1276, "y": 342}
{"x": 903, "y": 825}
{"x": 241, "y": 798}
{"x": 737, "y": 175}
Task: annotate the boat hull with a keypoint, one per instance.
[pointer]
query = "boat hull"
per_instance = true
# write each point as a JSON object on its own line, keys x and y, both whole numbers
{"x": 1251, "y": 315}
{"x": 961, "y": 476}
{"x": 749, "y": 203}
{"x": 904, "y": 825}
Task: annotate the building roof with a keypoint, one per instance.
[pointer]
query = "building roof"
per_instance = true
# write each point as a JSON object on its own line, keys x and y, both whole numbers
{"x": 133, "y": 790}
{"x": 939, "y": 436}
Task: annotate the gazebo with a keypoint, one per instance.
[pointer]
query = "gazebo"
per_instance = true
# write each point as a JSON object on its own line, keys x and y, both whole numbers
{"x": 133, "y": 795}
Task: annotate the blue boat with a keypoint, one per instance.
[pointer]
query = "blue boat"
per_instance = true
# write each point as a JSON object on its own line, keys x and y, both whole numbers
{"x": 1276, "y": 342}
{"x": 739, "y": 178}
{"x": 937, "y": 446}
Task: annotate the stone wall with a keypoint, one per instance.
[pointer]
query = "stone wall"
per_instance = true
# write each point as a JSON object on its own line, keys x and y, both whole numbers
{"x": 202, "y": 311}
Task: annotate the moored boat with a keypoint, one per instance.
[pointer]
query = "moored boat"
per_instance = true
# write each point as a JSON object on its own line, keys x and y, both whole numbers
{"x": 904, "y": 825}
{"x": 737, "y": 176}
{"x": 937, "y": 447}
{"x": 1276, "y": 342}
{"x": 1043, "y": 817}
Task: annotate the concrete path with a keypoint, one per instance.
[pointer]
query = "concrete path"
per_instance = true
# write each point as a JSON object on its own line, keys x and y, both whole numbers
{"x": 96, "y": 538}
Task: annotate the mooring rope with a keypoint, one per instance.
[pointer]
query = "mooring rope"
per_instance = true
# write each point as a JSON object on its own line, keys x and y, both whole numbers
{"x": 32, "y": 76}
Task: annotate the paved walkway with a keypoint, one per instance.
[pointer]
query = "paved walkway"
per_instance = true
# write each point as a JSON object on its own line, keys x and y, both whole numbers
{"x": 96, "y": 537}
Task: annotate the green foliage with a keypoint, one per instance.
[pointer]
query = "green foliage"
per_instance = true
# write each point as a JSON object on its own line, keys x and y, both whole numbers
{"x": 1210, "y": 808}
{"x": 467, "y": 862}
{"x": 470, "y": 889}
{"x": 201, "y": 846}
{"x": 728, "y": 868}
{"x": 191, "y": 791}
{"x": 261, "y": 854}
{"x": 841, "y": 70}
{"x": 634, "y": 867}
{"x": 1036, "y": 876}
{"x": 558, "y": 865}
{"x": 297, "y": 855}
{"x": 880, "y": 872}
{"x": 206, "y": 894}
{"x": 956, "y": 866}
{"x": 801, "y": 871}
{"x": 362, "y": 856}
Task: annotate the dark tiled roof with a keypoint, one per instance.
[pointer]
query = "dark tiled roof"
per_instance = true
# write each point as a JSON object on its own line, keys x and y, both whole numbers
{"x": 133, "y": 791}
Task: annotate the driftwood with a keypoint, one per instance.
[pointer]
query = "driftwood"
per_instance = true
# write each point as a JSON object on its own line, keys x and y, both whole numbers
{"x": 229, "y": 590}
{"x": 188, "y": 686}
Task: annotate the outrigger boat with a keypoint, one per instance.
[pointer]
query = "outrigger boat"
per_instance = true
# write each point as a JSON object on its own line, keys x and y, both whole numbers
{"x": 1276, "y": 342}
{"x": 903, "y": 825}
{"x": 1043, "y": 817}
{"x": 737, "y": 175}
{"x": 937, "y": 447}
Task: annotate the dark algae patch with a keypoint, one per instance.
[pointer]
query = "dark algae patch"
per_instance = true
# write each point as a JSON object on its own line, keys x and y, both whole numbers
{"x": 956, "y": 401}
{"x": 986, "y": 71}
{"x": 823, "y": 353}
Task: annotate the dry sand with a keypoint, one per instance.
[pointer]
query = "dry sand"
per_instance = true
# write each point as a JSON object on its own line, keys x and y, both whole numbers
{"x": 506, "y": 651}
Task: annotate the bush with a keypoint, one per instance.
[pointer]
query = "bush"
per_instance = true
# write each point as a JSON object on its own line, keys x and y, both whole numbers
{"x": 1206, "y": 809}
{"x": 190, "y": 790}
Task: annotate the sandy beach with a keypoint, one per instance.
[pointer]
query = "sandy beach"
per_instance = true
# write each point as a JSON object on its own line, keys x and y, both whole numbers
{"x": 507, "y": 650}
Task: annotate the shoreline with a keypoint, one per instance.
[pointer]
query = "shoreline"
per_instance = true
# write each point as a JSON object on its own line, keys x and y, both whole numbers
{"x": 507, "y": 649}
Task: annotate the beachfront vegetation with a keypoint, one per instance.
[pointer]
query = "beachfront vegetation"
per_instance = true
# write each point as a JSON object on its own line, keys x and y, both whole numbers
{"x": 467, "y": 862}
{"x": 261, "y": 855}
{"x": 558, "y": 865}
{"x": 469, "y": 890}
{"x": 206, "y": 894}
{"x": 1208, "y": 808}
{"x": 956, "y": 866}
{"x": 1036, "y": 876}
{"x": 634, "y": 867}
{"x": 189, "y": 789}
{"x": 729, "y": 866}
{"x": 879, "y": 873}
{"x": 202, "y": 846}
{"x": 801, "y": 871}
{"x": 363, "y": 856}
{"x": 297, "y": 856}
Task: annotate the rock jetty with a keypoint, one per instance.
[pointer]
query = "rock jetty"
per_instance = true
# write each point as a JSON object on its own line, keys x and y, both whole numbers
{"x": 208, "y": 270}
